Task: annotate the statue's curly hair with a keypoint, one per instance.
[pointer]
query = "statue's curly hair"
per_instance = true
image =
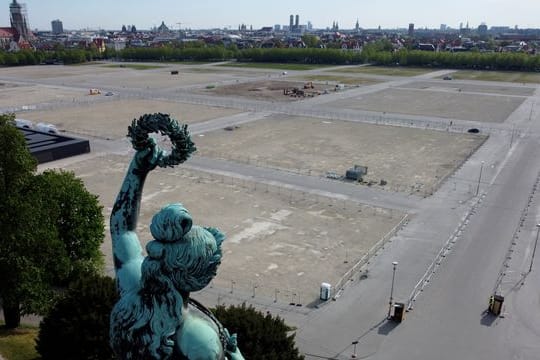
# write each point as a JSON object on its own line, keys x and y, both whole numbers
{"x": 178, "y": 262}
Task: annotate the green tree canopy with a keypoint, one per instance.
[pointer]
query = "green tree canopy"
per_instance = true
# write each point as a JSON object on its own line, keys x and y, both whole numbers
{"x": 78, "y": 325}
{"x": 52, "y": 228}
{"x": 311, "y": 41}
{"x": 260, "y": 336}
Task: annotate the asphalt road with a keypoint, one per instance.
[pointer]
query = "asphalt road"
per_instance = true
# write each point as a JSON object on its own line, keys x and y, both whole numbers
{"x": 448, "y": 319}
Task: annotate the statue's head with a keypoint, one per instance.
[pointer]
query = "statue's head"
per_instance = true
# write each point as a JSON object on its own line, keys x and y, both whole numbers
{"x": 181, "y": 258}
{"x": 188, "y": 255}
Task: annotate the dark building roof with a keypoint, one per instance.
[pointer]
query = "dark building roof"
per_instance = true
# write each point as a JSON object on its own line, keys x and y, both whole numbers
{"x": 49, "y": 147}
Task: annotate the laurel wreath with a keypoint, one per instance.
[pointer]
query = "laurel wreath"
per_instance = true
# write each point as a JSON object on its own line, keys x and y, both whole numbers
{"x": 182, "y": 146}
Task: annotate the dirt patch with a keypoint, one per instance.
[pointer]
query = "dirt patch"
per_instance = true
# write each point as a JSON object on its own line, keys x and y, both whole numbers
{"x": 452, "y": 104}
{"x": 270, "y": 90}
{"x": 409, "y": 160}
{"x": 26, "y": 96}
{"x": 111, "y": 119}
{"x": 275, "y": 239}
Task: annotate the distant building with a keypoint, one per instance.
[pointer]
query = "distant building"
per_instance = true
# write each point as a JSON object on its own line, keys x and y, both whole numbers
{"x": 57, "y": 27}
{"x": 7, "y": 35}
{"x": 482, "y": 30}
{"x": 277, "y": 27}
{"x": 411, "y": 29}
{"x": 357, "y": 26}
{"x": 426, "y": 47}
{"x": 500, "y": 29}
{"x": 291, "y": 22}
{"x": 443, "y": 27}
{"x": 297, "y": 22}
{"x": 162, "y": 28}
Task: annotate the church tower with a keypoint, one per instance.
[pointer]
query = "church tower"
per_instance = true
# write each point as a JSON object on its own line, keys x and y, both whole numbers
{"x": 19, "y": 20}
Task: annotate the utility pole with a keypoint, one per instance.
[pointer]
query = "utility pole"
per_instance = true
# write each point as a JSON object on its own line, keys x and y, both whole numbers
{"x": 394, "y": 264}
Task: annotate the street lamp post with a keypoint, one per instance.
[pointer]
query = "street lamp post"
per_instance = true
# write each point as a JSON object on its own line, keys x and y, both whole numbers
{"x": 353, "y": 356}
{"x": 479, "y": 178}
{"x": 534, "y": 248}
{"x": 394, "y": 264}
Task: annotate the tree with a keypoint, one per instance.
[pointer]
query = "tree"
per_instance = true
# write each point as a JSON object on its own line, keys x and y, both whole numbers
{"x": 311, "y": 41}
{"x": 260, "y": 336}
{"x": 78, "y": 325}
{"x": 16, "y": 168}
{"x": 52, "y": 229}
{"x": 78, "y": 218}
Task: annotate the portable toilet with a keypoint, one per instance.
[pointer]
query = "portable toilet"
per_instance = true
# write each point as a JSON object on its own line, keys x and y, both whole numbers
{"x": 495, "y": 306}
{"x": 326, "y": 291}
{"x": 399, "y": 312}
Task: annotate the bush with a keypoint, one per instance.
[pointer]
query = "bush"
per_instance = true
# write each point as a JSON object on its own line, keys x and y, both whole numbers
{"x": 261, "y": 337}
{"x": 78, "y": 325}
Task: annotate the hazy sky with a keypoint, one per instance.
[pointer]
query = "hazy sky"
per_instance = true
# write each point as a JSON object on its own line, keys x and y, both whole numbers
{"x": 197, "y": 14}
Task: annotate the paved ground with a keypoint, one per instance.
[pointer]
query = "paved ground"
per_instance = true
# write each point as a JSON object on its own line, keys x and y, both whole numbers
{"x": 322, "y": 216}
{"x": 408, "y": 160}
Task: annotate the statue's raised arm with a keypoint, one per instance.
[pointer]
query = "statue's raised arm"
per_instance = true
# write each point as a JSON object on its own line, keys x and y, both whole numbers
{"x": 127, "y": 250}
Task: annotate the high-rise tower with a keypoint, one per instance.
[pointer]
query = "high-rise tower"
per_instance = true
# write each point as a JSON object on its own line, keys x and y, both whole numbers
{"x": 57, "y": 27}
{"x": 291, "y": 22}
{"x": 19, "y": 20}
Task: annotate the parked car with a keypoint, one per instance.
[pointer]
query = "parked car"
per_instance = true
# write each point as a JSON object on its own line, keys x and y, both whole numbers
{"x": 447, "y": 77}
{"x": 22, "y": 123}
{"x": 47, "y": 128}
{"x": 109, "y": 93}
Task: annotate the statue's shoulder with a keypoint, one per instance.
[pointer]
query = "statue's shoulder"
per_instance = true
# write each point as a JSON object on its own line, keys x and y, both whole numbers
{"x": 199, "y": 336}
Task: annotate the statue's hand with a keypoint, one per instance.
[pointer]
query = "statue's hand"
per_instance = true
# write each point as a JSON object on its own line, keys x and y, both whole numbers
{"x": 232, "y": 350}
{"x": 236, "y": 355}
{"x": 150, "y": 157}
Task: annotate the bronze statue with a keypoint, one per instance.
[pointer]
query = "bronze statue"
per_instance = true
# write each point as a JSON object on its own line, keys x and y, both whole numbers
{"x": 155, "y": 317}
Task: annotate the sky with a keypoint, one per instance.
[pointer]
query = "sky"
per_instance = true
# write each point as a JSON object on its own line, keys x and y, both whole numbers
{"x": 204, "y": 14}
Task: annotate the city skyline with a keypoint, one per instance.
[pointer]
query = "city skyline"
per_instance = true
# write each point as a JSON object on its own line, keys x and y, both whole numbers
{"x": 102, "y": 14}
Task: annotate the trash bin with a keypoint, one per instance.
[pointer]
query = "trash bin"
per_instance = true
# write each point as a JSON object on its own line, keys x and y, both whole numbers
{"x": 326, "y": 291}
{"x": 399, "y": 312}
{"x": 496, "y": 305}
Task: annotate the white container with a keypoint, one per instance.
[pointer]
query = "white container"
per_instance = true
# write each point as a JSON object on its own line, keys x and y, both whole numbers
{"x": 326, "y": 291}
